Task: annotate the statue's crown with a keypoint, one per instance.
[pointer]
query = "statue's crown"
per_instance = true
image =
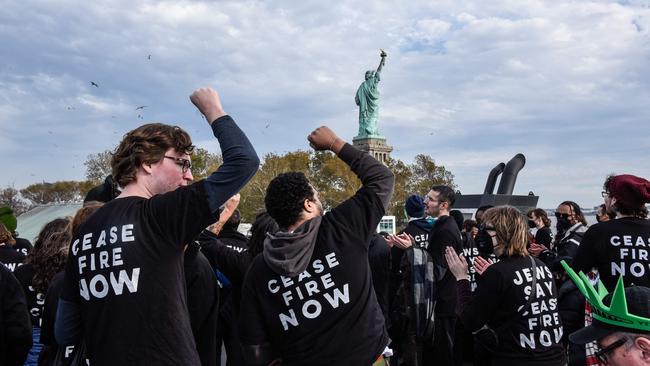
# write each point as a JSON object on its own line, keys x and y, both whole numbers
{"x": 616, "y": 313}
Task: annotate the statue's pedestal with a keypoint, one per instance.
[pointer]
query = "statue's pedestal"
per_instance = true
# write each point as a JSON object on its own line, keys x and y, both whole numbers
{"x": 375, "y": 146}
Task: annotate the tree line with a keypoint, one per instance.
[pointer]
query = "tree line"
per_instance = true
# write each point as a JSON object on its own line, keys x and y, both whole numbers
{"x": 329, "y": 175}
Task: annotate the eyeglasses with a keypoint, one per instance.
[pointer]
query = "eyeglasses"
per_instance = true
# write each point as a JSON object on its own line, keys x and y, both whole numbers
{"x": 183, "y": 163}
{"x": 428, "y": 198}
{"x": 602, "y": 354}
{"x": 605, "y": 194}
{"x": 562, "y": 215}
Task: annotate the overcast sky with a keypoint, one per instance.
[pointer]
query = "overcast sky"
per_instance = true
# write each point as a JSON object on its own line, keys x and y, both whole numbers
{"x": 470, "y": 83}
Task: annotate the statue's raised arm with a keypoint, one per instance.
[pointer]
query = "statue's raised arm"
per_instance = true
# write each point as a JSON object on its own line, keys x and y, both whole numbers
{"x": 383, "y": 55}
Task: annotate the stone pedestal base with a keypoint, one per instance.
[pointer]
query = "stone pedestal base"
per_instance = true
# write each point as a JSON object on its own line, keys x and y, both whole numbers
{"x": 375, "y": 146}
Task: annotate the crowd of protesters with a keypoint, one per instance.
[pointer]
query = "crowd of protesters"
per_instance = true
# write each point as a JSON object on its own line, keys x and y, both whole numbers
{"x": 157, "y": 273}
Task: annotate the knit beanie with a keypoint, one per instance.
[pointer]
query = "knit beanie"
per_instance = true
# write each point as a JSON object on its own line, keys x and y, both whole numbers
{"x": 8, "y": 218}
{"x": 630, "y": 190}
{"x": 414, "y": 206}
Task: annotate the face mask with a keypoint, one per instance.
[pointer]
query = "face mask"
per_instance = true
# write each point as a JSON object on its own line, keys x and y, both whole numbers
{"x": 483, "y": 242}
{"x": 531, "y": 224}
{"x": 563, "y": 224}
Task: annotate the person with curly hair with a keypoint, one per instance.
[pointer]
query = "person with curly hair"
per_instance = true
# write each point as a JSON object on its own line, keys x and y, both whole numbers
{"x": 50, "y": 300}
{"x": 308, "y": 299}
{"x": 124, "y": 292}
{"x": 46, "y": 260}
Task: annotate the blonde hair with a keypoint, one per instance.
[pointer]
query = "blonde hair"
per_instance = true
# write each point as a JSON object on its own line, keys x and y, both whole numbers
{"x": 511, "y": 230}
{"x": 5, "y": 236}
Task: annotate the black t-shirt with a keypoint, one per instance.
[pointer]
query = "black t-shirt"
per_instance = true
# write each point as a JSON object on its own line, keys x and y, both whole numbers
{"x": 445, "y": 233}
{"x": 23, "y": 246}
{"x": 202, "y": 302}
{"x": 230, "y": 263}
{"x": 125, "y": 270}
{"x": 329, "y": 313}
{"x": 15, "y": 328}
{"x": 616, "y": 247}
{"x": 11, "y": 258}
{"x": 227, "y": 251}
{"x": 379, "y": 260}
{"x": 535, "y": 337}
{"x": 35, "y": 300}
{"x": 544, "y": 236}
{"x": 470, "y": 251}
{"x": 50, "y": 347}
{"x": 233, "y": 239}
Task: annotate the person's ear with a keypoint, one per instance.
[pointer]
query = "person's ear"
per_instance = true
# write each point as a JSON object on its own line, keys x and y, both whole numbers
{"x": 308, "y": 205}
{"x": 643, "y": 344}
{"x": 146, "y": 167}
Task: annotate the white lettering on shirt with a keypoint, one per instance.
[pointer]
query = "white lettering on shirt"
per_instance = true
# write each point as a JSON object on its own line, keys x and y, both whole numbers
{"x": 300, "y": 293}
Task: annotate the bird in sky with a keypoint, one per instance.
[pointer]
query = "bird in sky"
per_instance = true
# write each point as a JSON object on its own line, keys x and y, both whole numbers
{"x": 267, "y": 125}
{"x": 141, "y": 107}
{"x": 149, "y": 57}
{"x": 92, "y": 83}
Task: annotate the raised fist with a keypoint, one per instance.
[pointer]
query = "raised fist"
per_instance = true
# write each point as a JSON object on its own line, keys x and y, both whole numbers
{"x": 323, "y": 138}
{"x": 207, "y": 101}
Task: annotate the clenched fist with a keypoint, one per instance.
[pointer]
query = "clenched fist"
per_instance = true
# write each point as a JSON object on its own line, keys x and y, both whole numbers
{"x": 323, "y": 138}
{"x": 207, "y": 101}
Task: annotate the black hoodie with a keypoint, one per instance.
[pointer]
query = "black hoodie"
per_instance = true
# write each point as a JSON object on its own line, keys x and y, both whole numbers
{"x": 328, "y": 314}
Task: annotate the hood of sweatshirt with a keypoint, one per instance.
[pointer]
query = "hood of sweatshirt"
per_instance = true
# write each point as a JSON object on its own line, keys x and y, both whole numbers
{"x": 424, "y": 224}
{"x": 288, "y": 254}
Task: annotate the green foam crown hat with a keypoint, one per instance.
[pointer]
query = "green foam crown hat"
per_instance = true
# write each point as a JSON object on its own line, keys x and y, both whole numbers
{"x": 616, "y": 313}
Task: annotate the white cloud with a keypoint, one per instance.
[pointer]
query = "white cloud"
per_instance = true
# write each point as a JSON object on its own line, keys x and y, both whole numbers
{"x": 471, "y": 83}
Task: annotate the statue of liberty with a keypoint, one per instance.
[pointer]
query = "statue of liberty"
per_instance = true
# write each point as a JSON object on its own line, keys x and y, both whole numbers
{"x": 367, "y": 99}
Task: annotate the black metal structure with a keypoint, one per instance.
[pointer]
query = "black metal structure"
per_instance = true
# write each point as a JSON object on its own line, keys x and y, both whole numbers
{"x": 468, "y": 203}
